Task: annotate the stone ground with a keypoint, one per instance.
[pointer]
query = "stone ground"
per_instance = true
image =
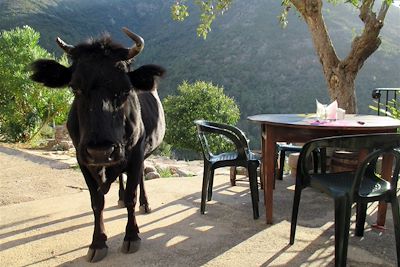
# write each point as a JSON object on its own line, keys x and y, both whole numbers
{"x": 46, "y": 220}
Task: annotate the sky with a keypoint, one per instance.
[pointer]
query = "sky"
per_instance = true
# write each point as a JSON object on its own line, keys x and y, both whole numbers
{"x": 396, "y": 3}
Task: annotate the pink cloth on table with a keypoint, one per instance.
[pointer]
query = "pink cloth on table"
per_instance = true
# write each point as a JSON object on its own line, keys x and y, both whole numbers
{"x": 336, "y": 123}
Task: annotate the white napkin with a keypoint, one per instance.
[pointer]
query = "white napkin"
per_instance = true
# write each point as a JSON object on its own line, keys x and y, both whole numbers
{"x": 329, "y": 112}
{"x": 340, "y": 114}
{"x": 321, "y": 110}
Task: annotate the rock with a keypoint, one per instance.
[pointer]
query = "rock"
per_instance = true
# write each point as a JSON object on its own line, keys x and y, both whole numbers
{"x": 177, "y": 172}
{"x": 149, "y": 169}
{"x": 152, "y": 175}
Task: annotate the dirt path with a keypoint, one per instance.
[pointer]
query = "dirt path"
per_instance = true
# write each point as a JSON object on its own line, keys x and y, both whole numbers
{"x": 23, "y": 179}
{"x": 38, "y": 174}
{"x": 46, "y": 220}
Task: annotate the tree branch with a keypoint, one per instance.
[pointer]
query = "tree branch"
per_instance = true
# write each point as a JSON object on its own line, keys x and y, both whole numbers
{"x": 383, "y": 10}
{"x": 311, "y": 10}
{"x": 299, "y": 5}
{"x": 368, "y": 42}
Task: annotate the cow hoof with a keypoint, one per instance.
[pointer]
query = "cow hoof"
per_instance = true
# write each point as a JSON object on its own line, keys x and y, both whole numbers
{"x": 144, "y": 209}
{"x": 131, "y": 246}
{"x": 95, "y": 255}
{"x": 121, "y": 204}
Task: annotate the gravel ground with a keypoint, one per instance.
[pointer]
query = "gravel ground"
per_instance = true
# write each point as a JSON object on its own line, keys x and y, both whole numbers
{"x": 20, "y": 184}
{"x": 46, "y": 220}
{"x": 56, "y": 173}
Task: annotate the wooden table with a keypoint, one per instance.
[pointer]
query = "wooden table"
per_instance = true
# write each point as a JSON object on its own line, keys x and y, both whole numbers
{"x": 300, "y": 128}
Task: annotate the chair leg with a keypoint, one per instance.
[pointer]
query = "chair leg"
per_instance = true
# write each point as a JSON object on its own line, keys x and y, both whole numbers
{"x": 261, "y": 177}
{"x": 360, "y": 218}
{"x": 315, "y": 161}
{"x": 282, "y": 156}
{"x": 210, "y": 183}
{"x": 206, "y": 175}
{"x": 252, "y": 171}
{"x": 342, "y": 228}
{"x": 232, "y": 175}
{"x": 295, "y": 212}
{"x": 322, "y": 153}
{"x": 396, "y": 224}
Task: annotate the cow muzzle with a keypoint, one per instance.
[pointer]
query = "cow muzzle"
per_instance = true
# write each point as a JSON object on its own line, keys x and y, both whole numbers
{"x": 104, "y": 155}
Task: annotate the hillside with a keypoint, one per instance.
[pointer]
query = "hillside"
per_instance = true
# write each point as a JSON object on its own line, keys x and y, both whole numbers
{"x": 265, "y": 68}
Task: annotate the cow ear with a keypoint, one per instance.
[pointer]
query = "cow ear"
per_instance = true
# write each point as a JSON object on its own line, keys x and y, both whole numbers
{"x": 145, "y": 77}
{"x": 50, "y": 73}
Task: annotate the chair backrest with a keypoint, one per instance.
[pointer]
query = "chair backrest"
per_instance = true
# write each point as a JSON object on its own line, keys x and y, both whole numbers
{"x": 386, "y": 97}
{"x": 234, "y": 134}
{"x": 375, "y": 144}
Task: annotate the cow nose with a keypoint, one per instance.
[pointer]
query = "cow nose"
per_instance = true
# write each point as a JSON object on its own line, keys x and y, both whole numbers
{"x": 100, "y": 154}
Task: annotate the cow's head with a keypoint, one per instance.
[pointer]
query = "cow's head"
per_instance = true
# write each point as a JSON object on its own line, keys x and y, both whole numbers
{"x": 105, "y": 115}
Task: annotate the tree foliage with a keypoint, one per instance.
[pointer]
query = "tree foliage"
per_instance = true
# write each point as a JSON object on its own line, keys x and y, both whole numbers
{"x": 25, "y": 107}
{"x": 339, "y": 74}
{"x": 199, "y": 100}
{"x": 209, "y": 11}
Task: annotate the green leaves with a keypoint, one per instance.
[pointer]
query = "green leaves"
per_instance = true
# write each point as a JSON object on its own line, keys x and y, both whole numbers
{"x": 392, "y": 109}
{"x": 286, "y": 4}
{"x": 209, "y": 9}
{"x": 200, "y": 100}
{"x": 25, "y": 106}
{"x": 179, "y": 11}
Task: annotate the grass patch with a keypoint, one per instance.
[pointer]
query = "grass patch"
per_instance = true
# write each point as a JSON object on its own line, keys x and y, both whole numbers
{"x": 164, "y": 172}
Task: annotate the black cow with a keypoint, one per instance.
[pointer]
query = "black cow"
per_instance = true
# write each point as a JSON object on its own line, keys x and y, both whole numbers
{"x": 116, "y": 120}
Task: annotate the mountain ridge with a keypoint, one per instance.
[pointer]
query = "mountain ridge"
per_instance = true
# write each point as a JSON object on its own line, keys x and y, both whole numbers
{"x": 266, "y": 69}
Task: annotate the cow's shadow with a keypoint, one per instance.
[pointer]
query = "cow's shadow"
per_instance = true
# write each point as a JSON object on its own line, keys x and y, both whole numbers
{"x": 176, "y": 234}
{"x": 192, "y": 239}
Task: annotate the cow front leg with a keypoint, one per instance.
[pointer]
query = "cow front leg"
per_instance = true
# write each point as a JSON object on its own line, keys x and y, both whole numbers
{"x": 132, "y": 240}
{"x": 121, "y": 192}
{"x": 98, "y": 248}
{"x": 144, "y": 204}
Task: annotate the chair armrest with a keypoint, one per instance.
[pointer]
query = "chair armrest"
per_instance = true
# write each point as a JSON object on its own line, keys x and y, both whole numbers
{"x": 376, "y": 144}
{"x": 368, "y": 166}
{"x": 232, "y": 133}
{"x": 240, "y": 135}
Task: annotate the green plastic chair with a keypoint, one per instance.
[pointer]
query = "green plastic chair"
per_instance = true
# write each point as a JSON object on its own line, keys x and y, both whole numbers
{"x": 361, "y": 186}
{"x": 242, "y": 156}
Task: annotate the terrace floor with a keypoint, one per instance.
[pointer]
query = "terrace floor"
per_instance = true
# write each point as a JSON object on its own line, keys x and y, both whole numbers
{"x": 56, "y": 230}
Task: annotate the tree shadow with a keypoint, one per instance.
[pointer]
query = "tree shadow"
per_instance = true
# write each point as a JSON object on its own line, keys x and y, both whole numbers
{"x": 176, "y": 233}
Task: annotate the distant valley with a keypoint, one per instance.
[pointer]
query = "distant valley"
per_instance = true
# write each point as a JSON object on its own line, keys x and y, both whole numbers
{"x": 265, "y": 68}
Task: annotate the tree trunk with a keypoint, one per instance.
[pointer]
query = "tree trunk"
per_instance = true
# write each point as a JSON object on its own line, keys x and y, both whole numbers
{"x": 339, "y": 74}
{"x": 341, "y": 88}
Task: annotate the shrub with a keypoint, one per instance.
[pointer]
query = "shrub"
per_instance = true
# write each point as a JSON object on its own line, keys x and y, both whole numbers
{"x": 25, "y": 106}
{"x": 199, "y": 100}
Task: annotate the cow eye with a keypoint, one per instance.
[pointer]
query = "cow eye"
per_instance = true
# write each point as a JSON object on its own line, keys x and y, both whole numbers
{"x": 122, "y": 96}
{"x": 117, "y": 100}
{"x": 76, "y": 91}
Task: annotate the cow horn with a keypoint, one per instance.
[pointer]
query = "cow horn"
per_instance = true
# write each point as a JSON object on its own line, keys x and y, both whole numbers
{"x": 139, "y": 43}
{"x": 64, "y": 46}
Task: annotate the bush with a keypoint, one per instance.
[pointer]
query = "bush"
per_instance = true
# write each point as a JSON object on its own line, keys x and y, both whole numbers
{"x": 25, "y": 106}
{"x": 163, "y": 150}
{"x": 199, "y": 100}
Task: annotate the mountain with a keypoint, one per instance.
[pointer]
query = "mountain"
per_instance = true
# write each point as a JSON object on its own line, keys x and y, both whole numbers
{"x": 266, "y": 69}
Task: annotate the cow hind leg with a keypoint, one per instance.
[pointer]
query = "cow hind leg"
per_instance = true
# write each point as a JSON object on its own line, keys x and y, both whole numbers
{"x": 121, "y": 192}
{"x": 144, "y": 204}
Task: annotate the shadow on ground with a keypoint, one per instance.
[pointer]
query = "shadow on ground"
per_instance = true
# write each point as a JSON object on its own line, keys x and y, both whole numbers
{"x": 57, "y": 231}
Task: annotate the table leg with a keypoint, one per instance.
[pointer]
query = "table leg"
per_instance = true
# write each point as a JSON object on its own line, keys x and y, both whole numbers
{"x": 387, "y": 161}
{"x": 269, "y": 148}
{"x": 264, "y": 166}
